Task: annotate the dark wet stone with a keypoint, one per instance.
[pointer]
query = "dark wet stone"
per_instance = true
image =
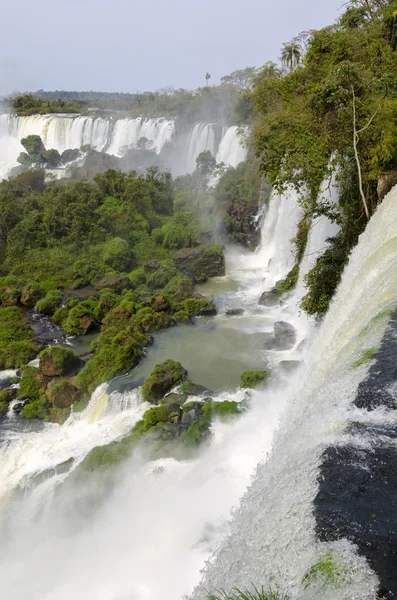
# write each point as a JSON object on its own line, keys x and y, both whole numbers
{"x": 235, "y": 312}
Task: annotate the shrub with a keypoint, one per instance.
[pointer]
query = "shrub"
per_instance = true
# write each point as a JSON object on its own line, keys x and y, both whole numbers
{"x": 49, "y": 304}
{"x": 251, "y": 379}
{"x": 36, "y": 409}
{"x": 29, "y": 387}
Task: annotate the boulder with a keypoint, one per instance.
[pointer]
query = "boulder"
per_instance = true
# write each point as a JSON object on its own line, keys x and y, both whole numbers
{"x": 200, "y": 263}
{"x": 85, "y": 324}
{"x": 151, "y": 267}
{"x": 162, "y": 379}
{"x": 30, "y": 295}
{"x": 207, "y": 311}
{"x": 160, "y": 304}
{"x": 270, "y": 298}
{"x": 235, "y": 312}
{"x": 284, "y": 337}
{"x": 58, "y": 361}
{"x": 8, "y": 394}
{"x": 386, "y": 182}
{"x": 10, "y": 296}
{"x": 116, "y": 284}
{"x": 62, "y": 394}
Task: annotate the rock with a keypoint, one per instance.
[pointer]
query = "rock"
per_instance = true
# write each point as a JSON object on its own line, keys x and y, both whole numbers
{"x": 289, "y": 366}
{"x": 386, "y": 182}
{"x": 62, "y": 394}
{"x": 58, "y": 361}
{"x": 207, "y": 311}
{"x": 235, "y": 312}
{"x": 85, "y": 325}
{"x": 8, "y": 394}
{"x": 284, "y": 337}
{"x": 175, "y": 399}
{"x": 193, "y": 389}
{"x": 116, "y": 284}
{"x": 200, "y": 263}
{"x": 160, "y": 304}
{"x": 162, "y": 379}
{"x": 151, "y": 267}
{"x": 30, "y": 295}
{"x": 10, "y": 296}
{"x": 270, "y": 298}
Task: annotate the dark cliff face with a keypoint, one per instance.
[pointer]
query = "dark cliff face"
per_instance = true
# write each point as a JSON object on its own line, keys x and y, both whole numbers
{"x": 357, "y": 495}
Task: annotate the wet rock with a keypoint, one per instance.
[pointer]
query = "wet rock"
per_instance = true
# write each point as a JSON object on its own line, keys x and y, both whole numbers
{"x": 151, "y": 267}
{"x": 193, "y": 389}
{"x": 235, "y": 312}
{"x": 8, "y": 395}
{"x": 284, "y": 337}
{"x": 116, "y": 284}
{"x": 200, "y": 263}
{"x": 270, "y": 298}
{"x": 386, "y": 182}
{"x": 207, "y": 311}
{"x": 289, "y": 366}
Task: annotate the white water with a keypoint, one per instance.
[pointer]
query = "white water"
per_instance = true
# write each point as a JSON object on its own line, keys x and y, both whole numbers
{"x": 157, "y": 528}
{"x": 232, "y": 149}
{"x": 272, "y": 539}
{"x": 114, "y": 136}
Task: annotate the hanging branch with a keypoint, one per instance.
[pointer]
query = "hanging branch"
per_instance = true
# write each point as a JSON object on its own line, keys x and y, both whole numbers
{"x": 356, "y": 139}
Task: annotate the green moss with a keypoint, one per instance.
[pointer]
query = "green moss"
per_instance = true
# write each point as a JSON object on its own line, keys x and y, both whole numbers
{"x": 36, "y": 409}
{"x": 29, "y": 386}
{"x": 330, "y": 570}
{"x": 59, "y": 358}
{"x": 181, "y": 316}
{"x": 3, "y": 408}
{"x": 366, "y": 357}
{"x": 290, "y": 281}
{"x": 50, "y": 303}
{"x": 226, "y": 409}
{"x": 57, "y": 415}
{"x": 163, "y": 378}
{"x": 251, "y": 379}
{"x": 13, "y": 326}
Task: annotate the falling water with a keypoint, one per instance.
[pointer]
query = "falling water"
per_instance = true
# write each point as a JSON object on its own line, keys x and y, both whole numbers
{"x": 232, "y": 150}
{"x": 201, "y": 139}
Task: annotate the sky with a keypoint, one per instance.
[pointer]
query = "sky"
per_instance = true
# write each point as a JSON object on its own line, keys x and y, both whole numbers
{"x": 130, "y": 46}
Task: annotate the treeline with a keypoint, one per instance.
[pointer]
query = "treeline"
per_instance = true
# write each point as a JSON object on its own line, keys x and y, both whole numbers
{"x": 33, "y": 104}
{"x": 332, "y": 106}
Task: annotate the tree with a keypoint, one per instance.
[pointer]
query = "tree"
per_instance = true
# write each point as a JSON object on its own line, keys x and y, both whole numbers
{"x": 207, "y": 78}
{"x": 241, "y": 78}
{"x": 291, "y": 55}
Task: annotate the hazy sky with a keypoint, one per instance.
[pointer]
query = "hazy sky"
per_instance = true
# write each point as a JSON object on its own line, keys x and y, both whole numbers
{"x": 125, "y": 45}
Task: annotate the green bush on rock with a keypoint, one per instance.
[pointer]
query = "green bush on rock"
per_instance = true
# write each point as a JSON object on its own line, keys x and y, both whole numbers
{"x": 29, "y": 386}
{"x": 49, "y": 304}
{"x": 36, "y": 409}
{"x": 162, "y": 379}
{"x": 251, "y": 379}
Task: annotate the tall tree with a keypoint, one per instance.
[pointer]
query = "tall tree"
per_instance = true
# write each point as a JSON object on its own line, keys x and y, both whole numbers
{"x": 291, "y": 55}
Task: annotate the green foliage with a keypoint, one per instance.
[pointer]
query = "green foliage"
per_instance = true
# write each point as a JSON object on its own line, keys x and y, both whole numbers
{"x": 170, "y": 372}
{"x": 325, "y": 276}
{"x": 3, "y": 408}
{"x": 49, "y": 304}
{"x": 366, "y": 357}
{"x": 30, "y": 104}
{"x": 29, "y": 386}
{"x": 251, "y": 379}
{"x": 58, "y": 359}
{"x": 15, "y": 333}
{"x": 255, "y": 594}
{"x": 35, "y": 410}
{"x": 118, "y": 255}
{"x": 331, "y": 570}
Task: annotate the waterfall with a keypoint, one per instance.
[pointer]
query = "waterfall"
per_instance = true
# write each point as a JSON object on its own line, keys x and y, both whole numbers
{"x": 201, "y": 139}
{"x": 114, "y": 136}
{"x": 273, "y": 535}
{"x": 231, "y": 150}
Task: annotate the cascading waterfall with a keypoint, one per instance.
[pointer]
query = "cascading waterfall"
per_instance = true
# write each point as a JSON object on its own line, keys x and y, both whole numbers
{"x": 201, "y": 139}
{"x": 114, "y": 137}
{"x": 273, "y": 535}
{"x": 231, "y": 150}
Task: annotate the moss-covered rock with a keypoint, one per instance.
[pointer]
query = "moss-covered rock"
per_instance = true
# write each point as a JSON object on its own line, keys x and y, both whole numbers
{"x": 116, "y": 284}
{"x": 31, "y": 293}
{"x": 201, "y": 262}
{"x": 9, "y": 296}
{"x": 251, "y": 379}
{"x": 36, "y": 409}
{"x": 63, "y": 393}
{"x": 50, "y": 303}
{"x": 58, "y": 361}
{"x": 29, "y": 386}
{"x": 16, "y": 349}
{"x": 162, "y": 379}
